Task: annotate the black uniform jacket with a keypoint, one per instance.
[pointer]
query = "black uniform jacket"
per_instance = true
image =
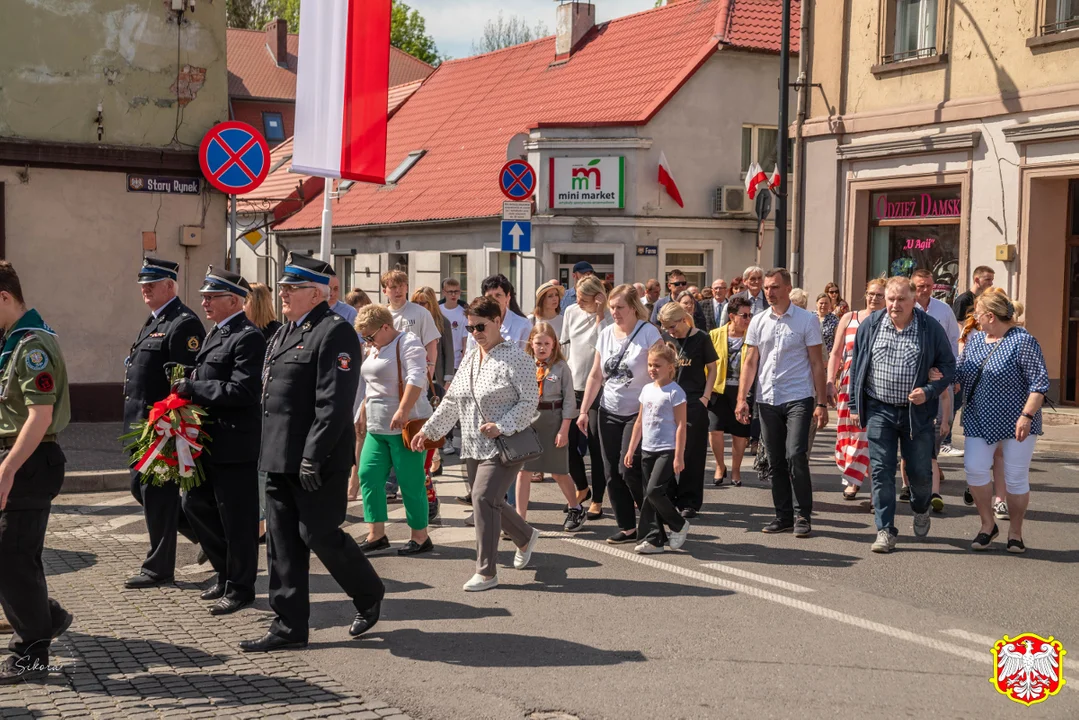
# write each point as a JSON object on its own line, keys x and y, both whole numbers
{"x": 175, "y": 335}
{"x": 227, "y": 382}
{"x": 311, "y": 376}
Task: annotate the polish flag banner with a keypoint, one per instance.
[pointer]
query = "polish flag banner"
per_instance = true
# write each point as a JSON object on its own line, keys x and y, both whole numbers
{"x": 773, "y": 180}
{"x": 754, "y": 178}
{"x": 342, "y": 90}
{"x": 666, "y": 179}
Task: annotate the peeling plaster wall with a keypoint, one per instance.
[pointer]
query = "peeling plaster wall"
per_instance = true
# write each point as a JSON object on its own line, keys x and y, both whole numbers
{"x": 60, "y": 58}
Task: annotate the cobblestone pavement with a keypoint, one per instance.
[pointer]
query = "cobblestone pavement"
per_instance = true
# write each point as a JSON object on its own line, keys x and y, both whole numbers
{"x": 157, "y": 653}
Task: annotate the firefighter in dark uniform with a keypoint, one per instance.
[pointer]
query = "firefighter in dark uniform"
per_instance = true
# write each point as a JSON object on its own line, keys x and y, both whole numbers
{"x": 172, "y": 334}
{"x": 308, "y": 449}
{"x": 34, "y": 408}
{"x": 227, "y": 383}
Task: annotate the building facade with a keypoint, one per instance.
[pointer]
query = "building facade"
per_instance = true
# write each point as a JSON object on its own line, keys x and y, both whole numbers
{"x": 595, "y": 106}
{"x": 945, "y": 136}
{"x": 99, "y": 135}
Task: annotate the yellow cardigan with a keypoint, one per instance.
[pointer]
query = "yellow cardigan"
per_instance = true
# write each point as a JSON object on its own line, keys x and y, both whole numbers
{"x": 719, "y": 341}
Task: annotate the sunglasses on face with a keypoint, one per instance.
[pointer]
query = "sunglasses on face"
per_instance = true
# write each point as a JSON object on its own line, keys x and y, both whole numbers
{"x": 371, "y": 338}
{"x": 478, "y": 327}
{"x": 678, "y": 283}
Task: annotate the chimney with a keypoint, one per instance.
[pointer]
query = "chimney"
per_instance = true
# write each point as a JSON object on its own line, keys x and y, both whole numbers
{"x": 574, "y": 20}
{"x": 277, "y": 41}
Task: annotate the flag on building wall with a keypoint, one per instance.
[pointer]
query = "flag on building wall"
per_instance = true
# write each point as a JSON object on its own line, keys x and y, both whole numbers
{"x": 773, "y": 180}
{"x": 342, "y": 90}
{"x": 754, "y": 177}
{"x": 666, "y": 179}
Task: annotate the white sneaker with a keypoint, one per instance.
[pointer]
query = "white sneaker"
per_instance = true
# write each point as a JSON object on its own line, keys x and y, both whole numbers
{"x": 884, "y": 543}
{"x": 922, "y": 521}
{"x": 449, "y": 449}
{"x": 949, "y": 451}
{"x": 479, "y": 583}
{"x": 677, "y": 539}
{"x": 647, "y": 548}
{"x": 522, "y": 557}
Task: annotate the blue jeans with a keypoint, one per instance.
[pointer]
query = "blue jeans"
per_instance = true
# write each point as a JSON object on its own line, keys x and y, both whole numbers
{"x": 888, "y": 428}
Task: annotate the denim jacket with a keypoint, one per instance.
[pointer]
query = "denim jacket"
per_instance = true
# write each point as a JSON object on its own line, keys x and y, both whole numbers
{"x": 935, "y": 351}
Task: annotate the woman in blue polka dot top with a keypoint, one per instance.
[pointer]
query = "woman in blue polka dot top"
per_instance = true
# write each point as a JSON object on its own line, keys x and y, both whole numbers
{"x": 1004, "y": 381}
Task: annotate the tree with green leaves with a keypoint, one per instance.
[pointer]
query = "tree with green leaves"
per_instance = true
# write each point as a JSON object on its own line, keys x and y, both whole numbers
{"x": 503, "y": 33}
{"x": 256, "y": 14}
{"x": 408, "y": 32}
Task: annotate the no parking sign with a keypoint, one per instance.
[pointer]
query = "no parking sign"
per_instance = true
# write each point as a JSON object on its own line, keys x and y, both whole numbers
{"x": 234, "y": 157}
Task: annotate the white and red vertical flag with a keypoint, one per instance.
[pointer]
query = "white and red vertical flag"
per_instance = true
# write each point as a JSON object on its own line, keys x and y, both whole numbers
{"x": 342, "y": 89}
{"x": 773, "y": 179}
{"x": 754, "y": 177}
{"x": 666, "y": 179}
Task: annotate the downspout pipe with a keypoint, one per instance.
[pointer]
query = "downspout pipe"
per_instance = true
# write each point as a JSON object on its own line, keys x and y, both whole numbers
{"x": 798, "y": 199}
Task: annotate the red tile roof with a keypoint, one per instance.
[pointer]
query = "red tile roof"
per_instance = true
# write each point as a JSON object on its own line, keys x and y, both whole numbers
{"x": 622, "y": 73}
{"x": 254, "y": 74}
{"x": 756, "y": 25}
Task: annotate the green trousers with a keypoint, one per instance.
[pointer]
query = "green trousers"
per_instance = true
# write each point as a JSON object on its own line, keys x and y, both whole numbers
{"x": 380, "y": 453}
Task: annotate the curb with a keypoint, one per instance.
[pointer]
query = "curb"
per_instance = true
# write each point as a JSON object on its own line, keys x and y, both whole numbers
{"x": 88, "y": 481}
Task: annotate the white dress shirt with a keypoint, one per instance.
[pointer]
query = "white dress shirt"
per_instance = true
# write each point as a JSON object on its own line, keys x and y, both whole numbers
{"x": 784, "y": 343}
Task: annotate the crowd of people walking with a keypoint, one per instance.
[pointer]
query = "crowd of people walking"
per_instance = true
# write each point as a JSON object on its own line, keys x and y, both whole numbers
{"x": 613, "y": 392}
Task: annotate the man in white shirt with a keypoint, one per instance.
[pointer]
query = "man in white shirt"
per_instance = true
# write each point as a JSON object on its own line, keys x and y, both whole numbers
{"x": 713, "y": 309}
{"x": 454, "y": 312}
{"x": 515, "y": 328}
{"x": 782, "y": 351}
{"x": 410, "y": 317}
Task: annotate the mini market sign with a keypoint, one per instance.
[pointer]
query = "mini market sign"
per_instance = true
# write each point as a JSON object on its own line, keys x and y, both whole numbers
{"x": 587, "y": 182}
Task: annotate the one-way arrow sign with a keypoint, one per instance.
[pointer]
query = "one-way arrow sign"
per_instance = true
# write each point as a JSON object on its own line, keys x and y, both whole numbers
{"x": 516, "y": 236}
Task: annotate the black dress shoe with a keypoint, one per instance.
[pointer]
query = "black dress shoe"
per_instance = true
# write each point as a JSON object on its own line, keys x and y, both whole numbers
{"x": 22, "y": 669}
{"x": 269, "y": 642}
{"x": 213, "y": 593}
{"x": 414, "y": 548}
{"x": 202, "y": 558}
{"x": 464, "y": 499}
{"x": 777, "y": 527}
{"x": 365, "y": 620}
{"x": 375, "y": 545}
{"x": 143, "y": 580}
{"x": 227, "y": 606}
{"x": 59, "y": 628}
{"x": 689, "y": 513}
{"x": 262, "y": 539}
{"x": 432, "y": 511}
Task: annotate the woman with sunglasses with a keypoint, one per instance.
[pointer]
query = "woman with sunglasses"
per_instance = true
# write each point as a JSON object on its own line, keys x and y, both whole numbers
{"x": 620, "y": 368}
{"x": 695, "y": 364}
{"x": 495, "y": 393}
{"x": 394, "y": 374}
{"x": 851, "y": 444}
{"x": 728, "y": 342}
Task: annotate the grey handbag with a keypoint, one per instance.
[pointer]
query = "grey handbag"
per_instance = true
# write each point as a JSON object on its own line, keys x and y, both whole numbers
{"x": 514, "y": 449}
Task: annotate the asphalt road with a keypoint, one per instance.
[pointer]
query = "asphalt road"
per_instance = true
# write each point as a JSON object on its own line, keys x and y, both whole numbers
{"x": 737, "y": 624}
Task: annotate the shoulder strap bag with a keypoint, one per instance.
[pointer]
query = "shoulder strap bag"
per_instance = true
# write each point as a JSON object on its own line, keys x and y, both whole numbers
{"x": 512, "y": 449}
{"x": 412, "y": 427}
{"x": 611, "y": 366}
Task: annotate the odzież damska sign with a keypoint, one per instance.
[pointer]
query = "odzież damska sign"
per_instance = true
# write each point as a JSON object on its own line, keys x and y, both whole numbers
{"x": 587, "y": 182}
{"x": 917, "y": 206}
{"x": 137, "y": 182}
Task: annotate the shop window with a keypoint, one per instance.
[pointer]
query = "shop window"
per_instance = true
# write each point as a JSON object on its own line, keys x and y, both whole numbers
{"x": 273, "y": 127}
{"x": 692, "y": 265}
{"x": 917, "y": 229}
{"x": 505, "y": 263}
{"x": 912, "y": 30}
{"x": 760, "y": 143}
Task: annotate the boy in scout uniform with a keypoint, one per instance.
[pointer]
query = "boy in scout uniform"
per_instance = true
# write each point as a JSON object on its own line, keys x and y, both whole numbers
{"x": 172, "y": 335}
{"x": 34, "y": 408}
{"x": 227, "y": 383}
{"x": 308, "y": 450}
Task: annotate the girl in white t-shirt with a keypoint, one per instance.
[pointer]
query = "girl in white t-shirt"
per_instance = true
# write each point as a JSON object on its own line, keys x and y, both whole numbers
{"x": 661, "y": 431}
{"x": 620, "y": 368}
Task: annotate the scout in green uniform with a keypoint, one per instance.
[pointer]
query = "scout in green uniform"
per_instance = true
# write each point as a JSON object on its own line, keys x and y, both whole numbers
{"x": 34, "y": 408}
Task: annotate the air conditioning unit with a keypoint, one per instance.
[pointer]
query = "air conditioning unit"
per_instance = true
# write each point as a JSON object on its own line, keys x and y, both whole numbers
{"x": 732, "y": 199}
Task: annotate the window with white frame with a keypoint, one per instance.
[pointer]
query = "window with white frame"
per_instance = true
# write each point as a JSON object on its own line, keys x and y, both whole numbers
{"x": 692, "y": 263}
{"x": 456, "y": 266}
{"x": 911, "y": 30}
{"x": 760, "y": 143}
{"x": 1060, "y": 15}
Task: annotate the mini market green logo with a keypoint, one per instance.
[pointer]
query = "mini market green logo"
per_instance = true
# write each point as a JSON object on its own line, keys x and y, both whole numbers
{"x": 582, "y": 177}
